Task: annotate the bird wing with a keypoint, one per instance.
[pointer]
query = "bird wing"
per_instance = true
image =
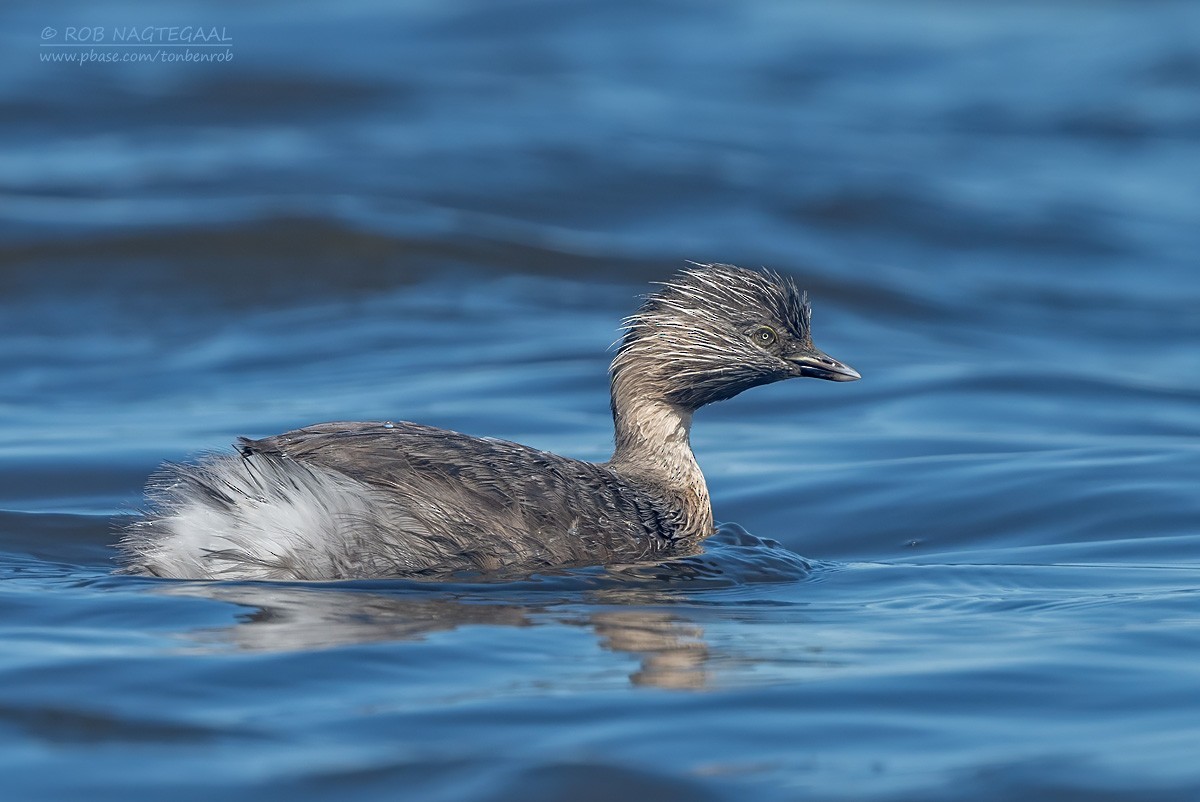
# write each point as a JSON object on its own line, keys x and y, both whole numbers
{"x": 494, "y": 502}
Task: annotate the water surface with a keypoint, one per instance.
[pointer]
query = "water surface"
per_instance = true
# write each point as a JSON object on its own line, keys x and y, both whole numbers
{"x": 975, "y": 574}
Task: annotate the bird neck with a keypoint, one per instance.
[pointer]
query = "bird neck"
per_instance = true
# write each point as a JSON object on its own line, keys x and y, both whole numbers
{"x": 653, "y": 446}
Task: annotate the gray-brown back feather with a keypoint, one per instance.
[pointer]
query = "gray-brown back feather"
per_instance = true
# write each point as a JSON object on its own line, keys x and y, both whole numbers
{"x": 466, "y": 503}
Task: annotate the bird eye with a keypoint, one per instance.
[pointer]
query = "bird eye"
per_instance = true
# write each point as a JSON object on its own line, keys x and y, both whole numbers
{"x": 765, "y": 335}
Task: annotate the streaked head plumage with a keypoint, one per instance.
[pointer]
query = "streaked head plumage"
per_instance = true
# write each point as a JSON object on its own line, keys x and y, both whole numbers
{"x": 715, "y": 330}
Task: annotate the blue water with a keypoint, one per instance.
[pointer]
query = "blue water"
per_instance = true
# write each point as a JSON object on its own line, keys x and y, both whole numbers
{"x": 975, "y": 574}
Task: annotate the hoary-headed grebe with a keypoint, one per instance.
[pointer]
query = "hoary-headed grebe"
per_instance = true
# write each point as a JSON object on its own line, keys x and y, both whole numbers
{"x": 358, "y": 500}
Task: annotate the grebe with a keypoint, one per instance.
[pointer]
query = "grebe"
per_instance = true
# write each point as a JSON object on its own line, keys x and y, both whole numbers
{"x": 362, "y": 500}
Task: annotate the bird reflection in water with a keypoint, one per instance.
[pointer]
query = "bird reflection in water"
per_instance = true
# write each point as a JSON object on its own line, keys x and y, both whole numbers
{"x": 671, "y": 651}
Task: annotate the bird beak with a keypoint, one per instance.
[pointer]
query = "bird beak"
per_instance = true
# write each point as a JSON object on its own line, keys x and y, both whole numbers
{"x": 816, "y": 364}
